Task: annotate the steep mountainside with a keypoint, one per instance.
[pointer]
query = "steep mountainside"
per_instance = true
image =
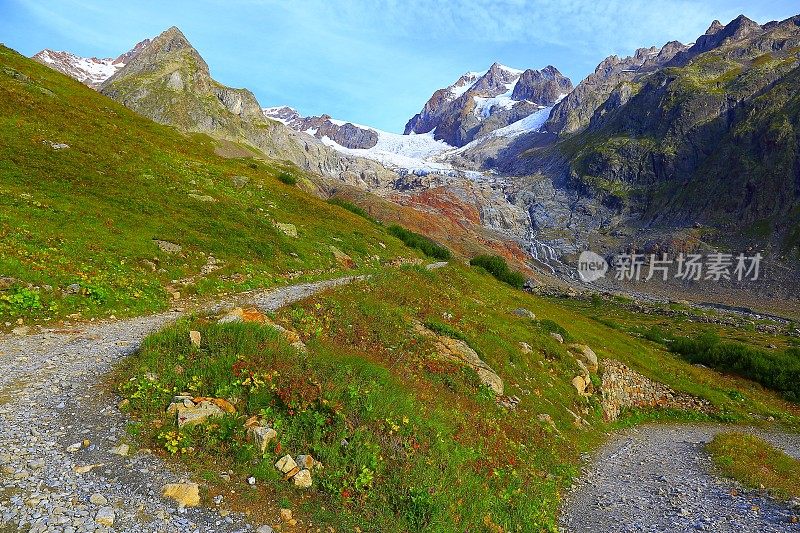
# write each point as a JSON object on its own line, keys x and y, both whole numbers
{"x": 710, "y": 139}
{"x": 479, "y": 103}
{"x": 169, "y": 82}
{"x": 89, "y": 70}
{"x": 612, "y": 75}
{"x": 103, "y": 211}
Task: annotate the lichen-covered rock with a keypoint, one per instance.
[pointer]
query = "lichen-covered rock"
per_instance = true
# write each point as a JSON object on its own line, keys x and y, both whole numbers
{"x": 185, "y": 494}
{"x": 261, "y": 437}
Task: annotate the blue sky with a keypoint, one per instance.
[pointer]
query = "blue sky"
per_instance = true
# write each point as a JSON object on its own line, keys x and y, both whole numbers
{"x": 371, "y": 62}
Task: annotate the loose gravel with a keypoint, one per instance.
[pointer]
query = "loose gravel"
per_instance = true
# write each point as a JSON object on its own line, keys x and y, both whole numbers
{"x": 51, "y": 401}
{"x": 659, "y": 478}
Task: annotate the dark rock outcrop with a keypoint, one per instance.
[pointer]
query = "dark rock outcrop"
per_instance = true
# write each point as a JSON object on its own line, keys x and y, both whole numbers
{"x": 480, "y": 103}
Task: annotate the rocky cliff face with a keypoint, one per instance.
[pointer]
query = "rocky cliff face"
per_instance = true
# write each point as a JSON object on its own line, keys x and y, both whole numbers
{"x": 344, "y": 134}
{"x": 478, "y": 103}
{"x": 169, "y": 81}
{"x": 708, "y": 138}
{"x": 575, "y": 111}
{"x": 90, "y": 71}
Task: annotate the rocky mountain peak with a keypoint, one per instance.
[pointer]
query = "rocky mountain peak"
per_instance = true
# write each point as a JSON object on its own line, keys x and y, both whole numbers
{"x": 169, "y": 51}
{"x": 283, "y": 114}
{"x": 544, "y": 86}
{"x": 714, "y": 28}
{"x": 478, "y": 103}
{"x": 125, "y": 58}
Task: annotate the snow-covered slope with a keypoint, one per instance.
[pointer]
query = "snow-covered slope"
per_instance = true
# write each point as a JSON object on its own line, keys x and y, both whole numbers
{"x": 480, "y": 102}
{"x": 91, "y": 71}
{"x": 413, "y": 154}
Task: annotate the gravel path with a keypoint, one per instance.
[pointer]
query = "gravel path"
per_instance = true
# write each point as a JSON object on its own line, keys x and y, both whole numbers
{"x": 659, "y": 478}
{"x": 50, "y": 399}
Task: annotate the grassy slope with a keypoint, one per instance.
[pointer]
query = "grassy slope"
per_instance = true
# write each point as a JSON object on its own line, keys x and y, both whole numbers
{"x": 88, "y": 214}
{"x": 428, "y": 447}
{"x": 756, "y": 463}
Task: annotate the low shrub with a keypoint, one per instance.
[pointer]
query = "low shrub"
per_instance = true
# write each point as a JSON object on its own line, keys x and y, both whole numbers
{"x": 353, "y": 208}
{"x": 497, "y": 267}
{"x": 421, "y": 243}
{"x": 287, "y": 178}
{"x": 775, "y": 370}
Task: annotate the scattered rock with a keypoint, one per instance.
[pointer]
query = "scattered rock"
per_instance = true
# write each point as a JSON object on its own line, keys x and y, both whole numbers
{"x": 105, "y": 516}
{"x": 7, "y": 282}
{"x": 586, "y": 355}
{"x": 286, "y": 464}
{"x": 344, "y": 260}
{"x": 86, "y": 469}
{"x": 122, "y": 449}
{"x": 580, "y": 384}
{"x": 557, "y": 337}
{"x": 240, "y": 182}
{"x": 72, "y": 448}
{"x": 261, "y": 436}
{"x": 194, "y": 338}
{"x": 56, "y": 146}
{"x": 98, "y": 499}
{"x": 200, "y": 411}
{"x": 168, "y": 247}
{"x": 185, "y": 494}
{"x": 459, "y": 351}
{"x": 287, "y": 229}
{"x": 74, "y": 288}
{"x": 21, "y": 331}
{"x": 264, "y": 529}
{"x": 251, "y": 481}
{"x": 509, "y": 402}
{"x": 286, "y": 515}
{"x": 524, "y": 313}
{"x": 306, "y": 461}
{"x": 202, "y": 197}
{"x": 525, "y": 347}
{"x": 302, "y": 479}
{"x": 237, "y": 314}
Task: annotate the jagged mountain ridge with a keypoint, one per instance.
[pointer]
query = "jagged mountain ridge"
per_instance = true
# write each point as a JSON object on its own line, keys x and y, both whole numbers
{"x": 90, "y": 71}
{"x": 344, "y": 134}
{"x": 478, "y": 103}
{"x": 708, "y": 138}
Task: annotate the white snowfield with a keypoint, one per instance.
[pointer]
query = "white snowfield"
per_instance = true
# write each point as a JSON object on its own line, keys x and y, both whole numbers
{"x": 88, "y": 68}
{"x": 409, "y": 153}
{"x": 421, "y": 153}
{"x": 484, "y": 107}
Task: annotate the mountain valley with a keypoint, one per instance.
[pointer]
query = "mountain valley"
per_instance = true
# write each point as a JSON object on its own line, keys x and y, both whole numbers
{"x": 220, "y": 314}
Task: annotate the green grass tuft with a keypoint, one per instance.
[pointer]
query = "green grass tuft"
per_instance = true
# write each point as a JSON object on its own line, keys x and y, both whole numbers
{"x": 755, "y": 463}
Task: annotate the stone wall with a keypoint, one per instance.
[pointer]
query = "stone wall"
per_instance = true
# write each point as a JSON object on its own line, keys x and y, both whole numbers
{"x": 623, "y": 388}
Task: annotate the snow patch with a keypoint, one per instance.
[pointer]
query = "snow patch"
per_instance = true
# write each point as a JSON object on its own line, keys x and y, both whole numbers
{"x": 484, "y": 106}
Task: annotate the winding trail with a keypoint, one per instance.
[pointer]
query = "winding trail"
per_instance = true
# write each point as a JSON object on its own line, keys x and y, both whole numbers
{"x": 659, "y": 478}
{"x": 50, "y": 399}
